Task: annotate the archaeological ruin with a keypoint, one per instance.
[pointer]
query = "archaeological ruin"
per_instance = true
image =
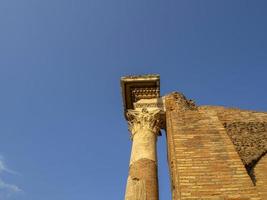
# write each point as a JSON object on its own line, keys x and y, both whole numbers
{"x": 214, "y": 152}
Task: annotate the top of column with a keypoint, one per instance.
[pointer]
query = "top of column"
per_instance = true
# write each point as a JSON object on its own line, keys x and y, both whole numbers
{"x": 135, "y": 88}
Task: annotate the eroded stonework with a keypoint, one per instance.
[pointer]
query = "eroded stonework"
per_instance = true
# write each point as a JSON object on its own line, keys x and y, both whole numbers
{"x": 182, "y": 102}
{"x": 143, "y": 174}
{"x": 249, "y": 138}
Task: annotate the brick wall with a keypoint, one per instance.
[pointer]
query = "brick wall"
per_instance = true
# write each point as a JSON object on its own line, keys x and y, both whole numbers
{"x": 204, "y": 163}
{"x": 260, "y": 172}
{"x": 248, "y": 132}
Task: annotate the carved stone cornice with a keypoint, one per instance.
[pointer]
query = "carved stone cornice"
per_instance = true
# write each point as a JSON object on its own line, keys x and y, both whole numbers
{"x": 144, "y": 120}
{"x": 144, "y": 93}
{"x": 135, "y": 88}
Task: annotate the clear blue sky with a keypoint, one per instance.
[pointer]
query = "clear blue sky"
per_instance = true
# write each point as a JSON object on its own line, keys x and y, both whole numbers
{"x": 62, "y": 131}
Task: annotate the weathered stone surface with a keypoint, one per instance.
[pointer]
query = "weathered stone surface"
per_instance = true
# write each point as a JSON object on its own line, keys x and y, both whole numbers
{"x": 143, "y": 180}
{"x": 249, "y": 138}
{"x": 181, "y": 102}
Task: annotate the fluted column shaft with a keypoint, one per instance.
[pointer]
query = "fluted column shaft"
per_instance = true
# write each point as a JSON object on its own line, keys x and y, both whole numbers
{"x": 142, "y": 182}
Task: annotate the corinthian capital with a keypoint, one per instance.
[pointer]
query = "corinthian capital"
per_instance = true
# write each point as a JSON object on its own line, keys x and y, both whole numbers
{"x": 144, "y": 120}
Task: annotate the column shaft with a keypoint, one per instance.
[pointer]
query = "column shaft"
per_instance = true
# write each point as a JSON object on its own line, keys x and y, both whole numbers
{"x": 142, "y": 182}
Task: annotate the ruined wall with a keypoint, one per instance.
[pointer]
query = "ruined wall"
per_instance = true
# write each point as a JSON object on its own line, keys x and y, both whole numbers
{"x": 207, "y": 159}
{"x": 260, "y": 172}
{"x": 248, "y": 132}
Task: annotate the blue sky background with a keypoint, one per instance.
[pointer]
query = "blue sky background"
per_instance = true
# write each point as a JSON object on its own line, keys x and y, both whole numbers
{"x": 62, "y": 131}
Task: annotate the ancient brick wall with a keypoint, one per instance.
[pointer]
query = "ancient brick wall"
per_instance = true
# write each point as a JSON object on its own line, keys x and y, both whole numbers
{"x": 248, "y": 132}
{"x": 260, "y": 172}
{"x": 204, "y": 160}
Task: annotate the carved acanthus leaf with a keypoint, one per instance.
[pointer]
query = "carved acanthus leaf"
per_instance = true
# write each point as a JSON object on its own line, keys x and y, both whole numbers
{"x": 144, "y": 120}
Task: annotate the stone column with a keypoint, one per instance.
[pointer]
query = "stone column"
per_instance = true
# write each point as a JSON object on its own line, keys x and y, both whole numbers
{"x": 142, "y": 182}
